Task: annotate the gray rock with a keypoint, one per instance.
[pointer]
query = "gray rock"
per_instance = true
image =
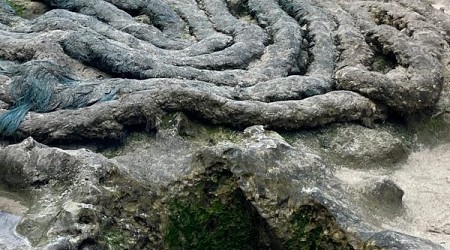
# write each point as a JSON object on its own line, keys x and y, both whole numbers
{"x": 385, "y": 194}
{"x": 5, "y": 7}
{"x": 83, "y": 200}
{"x": 48, "y": 174}
{"x": 386, "y": 190}
{"x": 398, "y": 241}
{"x": 92, "y": 72}
{"x": 360, "y": 147}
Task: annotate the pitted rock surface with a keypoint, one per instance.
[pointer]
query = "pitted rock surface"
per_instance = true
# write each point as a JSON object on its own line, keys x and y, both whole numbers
{"x": 95, "y": 203}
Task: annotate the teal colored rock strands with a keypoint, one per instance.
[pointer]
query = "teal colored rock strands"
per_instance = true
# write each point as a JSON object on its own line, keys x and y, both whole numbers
{"x": 11, "y": 119}
{"x": 43, "y": 86}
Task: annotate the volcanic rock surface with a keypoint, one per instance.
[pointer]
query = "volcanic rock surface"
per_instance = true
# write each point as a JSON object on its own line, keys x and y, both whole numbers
{"x": 218, "y": 124}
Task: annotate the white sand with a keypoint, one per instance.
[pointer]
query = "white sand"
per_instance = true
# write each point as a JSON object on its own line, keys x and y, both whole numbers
{"x": 425, "y": 178}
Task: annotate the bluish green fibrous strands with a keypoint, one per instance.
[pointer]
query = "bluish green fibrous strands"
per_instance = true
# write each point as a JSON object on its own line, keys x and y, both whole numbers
{"x": 32, "y": 92}
{"x": 43, "y": 86}
{"x": 11, "y": 119}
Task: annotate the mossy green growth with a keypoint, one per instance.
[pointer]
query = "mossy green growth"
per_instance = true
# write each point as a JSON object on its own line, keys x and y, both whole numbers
{"x": 215, "y": 134}
{"x": 313, "y": 137}
{"x": 168, "y": 120}
{"x": 114, "y": 240}
{"x": 17, "y": 7}
{"x": 315, "y": 228}
{"x": 210, "y": 227}
{"x": 215, "y": 215}
{"x": 128, "y": 219}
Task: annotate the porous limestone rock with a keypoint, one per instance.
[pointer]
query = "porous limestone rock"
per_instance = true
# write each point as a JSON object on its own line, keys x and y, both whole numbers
{"x": 358, "y": 146}
{"x": 259, "y": 186}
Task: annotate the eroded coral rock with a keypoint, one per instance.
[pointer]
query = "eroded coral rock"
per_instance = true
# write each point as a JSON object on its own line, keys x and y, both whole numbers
{"x": 259, "y": 186}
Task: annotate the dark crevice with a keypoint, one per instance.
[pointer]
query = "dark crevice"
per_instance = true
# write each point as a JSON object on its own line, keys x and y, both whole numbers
{"x": 86, "y": 219}
{"x": 134, "y": 12}
{"x": 384, "y": 63}
{"x": 241, "y": 11}
{"x": 222, "y": 215}
{"x": 39, "y": 183}
{"x": 308, "y": 44}
{"x": 96, "y": 145}
{"x": 306, "y": 57}
{"x": 383, "y": 60}
{"x": 132, "y": 9}
{"x": 239, "y": 8}
{"x": 90, "y": 244}
{"x": 12, "y": 139}
{"x": 383, "y": 17}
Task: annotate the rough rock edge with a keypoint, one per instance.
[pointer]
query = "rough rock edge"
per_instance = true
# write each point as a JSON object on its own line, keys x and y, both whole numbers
{"x": 74, "y": 192}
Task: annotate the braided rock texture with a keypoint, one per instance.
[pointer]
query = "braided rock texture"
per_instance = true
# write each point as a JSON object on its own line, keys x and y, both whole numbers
{"x": 93, "y": 68}
{"x": 98, "y": 72}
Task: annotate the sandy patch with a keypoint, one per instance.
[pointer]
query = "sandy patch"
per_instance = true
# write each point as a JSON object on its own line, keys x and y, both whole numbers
{"x": 425, "y": 178}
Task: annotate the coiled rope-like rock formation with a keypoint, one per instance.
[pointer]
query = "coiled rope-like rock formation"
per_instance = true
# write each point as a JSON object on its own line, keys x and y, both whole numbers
{"x": 92, "y": 69}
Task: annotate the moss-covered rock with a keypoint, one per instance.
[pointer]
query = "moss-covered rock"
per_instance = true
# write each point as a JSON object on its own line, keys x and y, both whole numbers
{"x": 315, "y": 228}
{"x": 27, "y": 8}
{"x": 216, "y": 215}
{"x": 18, "y": 8}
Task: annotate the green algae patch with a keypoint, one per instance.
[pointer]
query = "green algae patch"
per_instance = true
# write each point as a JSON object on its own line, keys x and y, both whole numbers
{"x": 115, "y": 240}
{"x": 214, "y": 135}
{"x": 315, "y": 228}
{"x": 216, "y": 215}
{"x": 17, "y": 7}
{"x": 211, "y": 226}
{"x": 28, "y": 8}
